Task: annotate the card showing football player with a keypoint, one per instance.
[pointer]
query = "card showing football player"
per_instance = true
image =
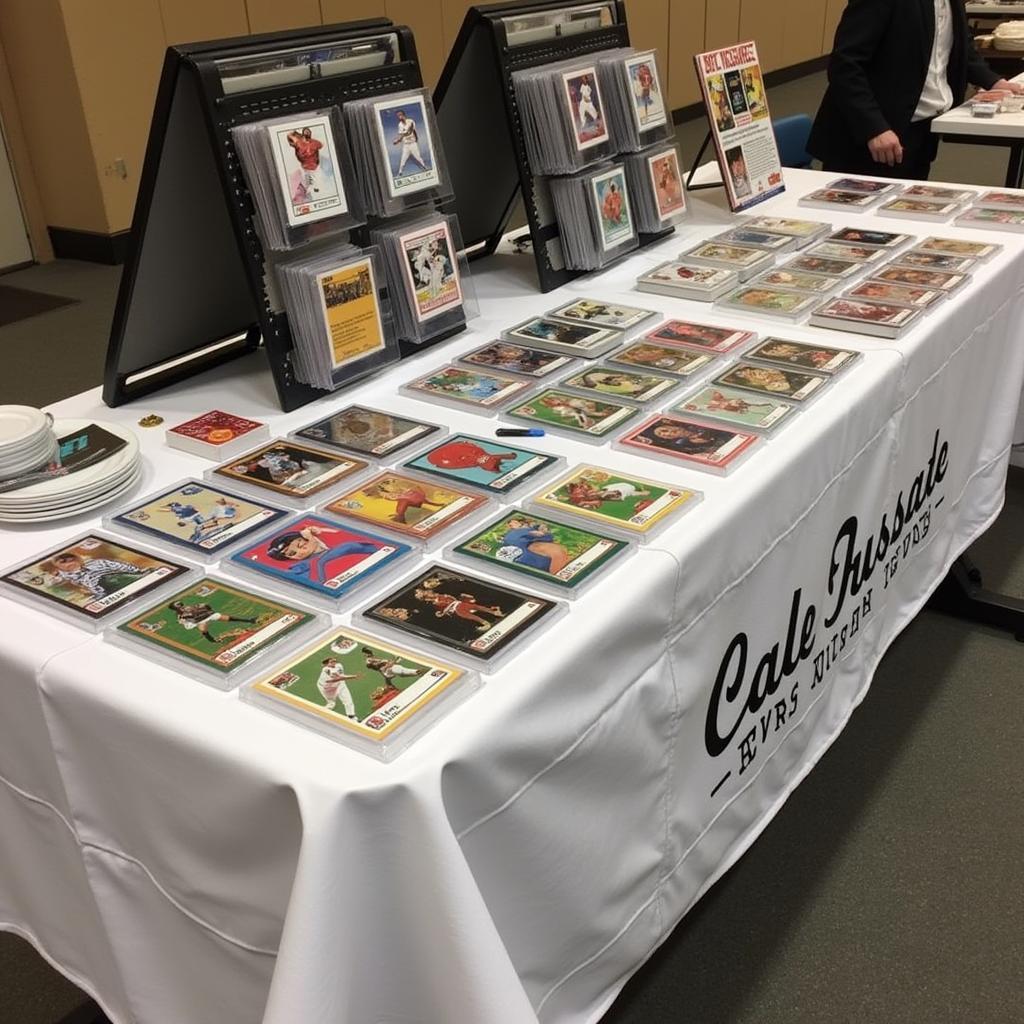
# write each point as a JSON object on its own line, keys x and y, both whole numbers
{"x": 818, "y": 358}
{"x": 371, "y": 432}
{"x": 585, "y": 107}
{"x": 462, "y": 612}
{"x": 488, "y": 465}
{"x": 619, "y": 383}
{"x": 772, "y": 381}
{"x": 357, "y": 683}
{"x": 286, "y": 467}
{"x": 703, "y": 337}
{"x": 662, "y": 357}
{"x": 736, "y": 408}
{"x": 523, "y": 543}
{"x": 216, "y": 625}
{"x": 602, "y": 314}
{"x": 198, "y": 517}
{"x": 308, "y": 172}
{"x": 406, "y": 505}
{"x": 321, "y": 555}
{"x": 431, "y": 270}
{"x": 628, "y": 503}
{"x": 690, "y": 442}
{"x": 92, "y": 577}
{"x": 404, "y": 137}
{"x": 568, "y": 339}
{"x": 575, "y": 413}
{"x": 469, "y": 387}
{"x": 509, "y": 358}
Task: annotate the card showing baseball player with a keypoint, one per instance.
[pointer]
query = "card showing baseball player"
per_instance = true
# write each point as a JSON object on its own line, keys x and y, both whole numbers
{"x": 404, "y": 136}
{"x": 307, "y": 169}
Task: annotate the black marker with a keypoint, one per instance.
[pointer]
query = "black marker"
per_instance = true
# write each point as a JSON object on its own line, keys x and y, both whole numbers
{"x": 519, "y": 432}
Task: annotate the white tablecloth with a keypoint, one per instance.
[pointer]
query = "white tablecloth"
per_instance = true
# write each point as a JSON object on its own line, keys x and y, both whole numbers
{"x": 188, "y": 858}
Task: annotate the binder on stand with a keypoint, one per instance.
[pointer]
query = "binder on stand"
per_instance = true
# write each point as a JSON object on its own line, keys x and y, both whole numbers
{"x": 480, "y": 125}
{"x": 195, "y": 291}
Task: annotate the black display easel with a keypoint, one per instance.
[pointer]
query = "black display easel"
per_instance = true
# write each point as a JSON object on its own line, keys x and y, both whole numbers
{"x": 690, "y": 187}
{"x": 194, "y": 291}
{"x": 478, "y": 118}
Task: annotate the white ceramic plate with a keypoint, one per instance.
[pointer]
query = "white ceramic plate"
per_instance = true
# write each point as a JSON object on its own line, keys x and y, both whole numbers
{"x": 19, "y": 424}
{"x": 11, "y": 502}
{"x": 73, "y": 510}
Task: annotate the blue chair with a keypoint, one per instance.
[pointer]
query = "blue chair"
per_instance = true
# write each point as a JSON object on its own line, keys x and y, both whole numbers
{"x": 791, "y": 134}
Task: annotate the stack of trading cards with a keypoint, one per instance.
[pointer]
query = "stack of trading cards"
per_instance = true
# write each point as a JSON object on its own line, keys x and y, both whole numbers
{"x": 751, "y": 238}
{"x": 612, "y": 316}
{"x": 774, "y": 381}
{"x": 736, "y": 408}
{"x": 1000, "y": 201}
{"x": 656, "y": 186}
{"x": 996, "y": 220}
{"x": 835, "y": 199}
{"x": 868, "y": 238}
{"x": 826, "y": 265}
{"x": 621, "y": 384}
{"x": 466, "y": 388}
{"x": 935, "y": 261}
{"x": 745, "y": 261}
{"x": 939, "y": 194}
{"x": 786, "y": 279}
{"x": 595, "y": 216}
{"x": 585, "y": 418}
{"x": 564, "y": 116}
{"x": 340, "y": 316}
{"x": 918, "y": 277}
{"x": 666, "y": 359}
{"x": 370, "y": 433}
{"x": 216, "y": 434}
{"x": 866, "y": 255}
{"x": 564, "y": 336}
{"x": 397, "y": 151}
{"x": 908, "y": 208}
{"x": 426, "y": 283}
{"x": 506, "y": 357}
{"x": 690, "y": 442}
{"x": 688, "y": 281}
{"x": 804, "y": 231}
{"x": 701, "y": 337}
{"x": 300, "y": 176}
{"x": 958, "y": 247}
{"x": 879, "y": 319}
{"x": 775, "y": 302}
{"x": 816, "y": 358}
{"x": 634, "y": 101}
{"x": 895, "y": 294}
{"x": 865, "y": 185}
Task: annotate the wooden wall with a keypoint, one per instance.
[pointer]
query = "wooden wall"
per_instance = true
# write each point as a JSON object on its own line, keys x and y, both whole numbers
{"x": 83, "y": 73}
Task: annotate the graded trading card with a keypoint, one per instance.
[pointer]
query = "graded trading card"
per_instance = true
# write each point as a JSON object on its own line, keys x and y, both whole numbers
{"x": 460, "y": 384}
{"x": 723, "y": 253}
{"x": 918, "y": 278}
{"x": 431, "y": 270}
{"x": 1000, "y": 220}
{"x": 958, "y": 247}
{"x": 876, "y": 314}
{"x": 866, "y": 236}
{"x": 578, "y": 339}
{"x": 366, "y": 431}
{"x": 509, "y": 358}
{"x": 935, "y": 261}
{"x": 787, "y": 226}
{"x": 321, "y": 555}
{"x": 837, "y": 197}
{"x": 358, "y": 683}
{"x": 924, "y": 208}
{"x": 404, "y": 135}
{"x": 610, "y": 197}
{"x": 895, "y": 294}
{"x": 818, "y": 358}
{"x": 689, "y": 441}
{"x": 216, "y": 427}
{"x": 620, "y": 500}
{"x": 216, "y": 625}
{"x": 645, "y": 92}
{"x": 876, "y": 188}
{"x": 93, "y": 577}
{"x": 461, "y": 612}
{"x": 351, "y": 312}
{"x": 489, "y": 465}
{"x": 822, "y": 265}
{"x": 771, "y": 301}
{"x": 1001, "y": 201}
{"x": 602, "y": 314}
{"x": 566, "y": 411}
{"x": 667, "y": 182}
{"x": 938, "y": 194}
{"x": 796, "y": 280}
{"x": 703, "y": 337}
{"x": 562, "y": 556}
{"x": 847, "y": 251}
{"x": 586, "y": 107}
{"x": 286, "y": 467}
{"x": 198, "y": 517}
{"x": 405, "y": 505}
{"x": 736, "y": 408}
{"x": 687, "y": 279}
{"x": 661, "y": 357}
{"x": 618, "y": 383}
{"x": 771, "y": 381}
{"x": 308, "y": 172}
{"x": 756, "y": 239}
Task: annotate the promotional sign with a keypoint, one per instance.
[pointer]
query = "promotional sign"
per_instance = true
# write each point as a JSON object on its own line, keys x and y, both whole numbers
{"x": 741, "y": 125}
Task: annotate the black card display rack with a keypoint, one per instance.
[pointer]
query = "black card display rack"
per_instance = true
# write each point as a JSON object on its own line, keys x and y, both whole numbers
{"x": 195, "y": 291}
{"x": 479, "y": 121}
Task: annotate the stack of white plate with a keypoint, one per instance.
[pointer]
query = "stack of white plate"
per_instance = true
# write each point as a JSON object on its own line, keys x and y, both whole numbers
{"x": 81, "y": 491}
{"x": 27, "y": 440}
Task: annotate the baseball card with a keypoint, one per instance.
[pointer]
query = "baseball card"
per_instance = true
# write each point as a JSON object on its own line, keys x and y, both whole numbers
{"x": 469, "y": 387}
{"x": 736, "y": 408}
{"x": 773, "y": 381}
{"x": 610, "y": 197}
{"x": 613, "y": 316}
{"x": 817, "y": 358}
{"x": 307, "y": 167}
{"x": 621, "y": 383}
{"x": 509, "y": 358}
{"x": 689, "y": 441}
{"x": 569, "y": 339}
{"x": 366, "y": 431}
{"x": 585, "y": 107}
{"x": 703, "y": 337}
{"x": 431, "y": 271}
{"x": 286, "y": 467}
{"x": 645, "y": 92}
{"x": 351, "y": 313}
{"x": 554, "y": 407}
{"x": 488, "y": 465}
{"x": 662, "y": 357}
{"x": 404, "y": 135}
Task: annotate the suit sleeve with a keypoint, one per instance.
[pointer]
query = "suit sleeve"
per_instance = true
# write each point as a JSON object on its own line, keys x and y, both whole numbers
{"x": 862, "y": 26}
{"x": 978, "y": 71}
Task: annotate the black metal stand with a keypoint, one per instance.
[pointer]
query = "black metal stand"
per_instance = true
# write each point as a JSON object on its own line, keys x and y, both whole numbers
{"x": 962, "y": 594}
{"x": 87, "y": 1013}
{"x": 690, "y": 187}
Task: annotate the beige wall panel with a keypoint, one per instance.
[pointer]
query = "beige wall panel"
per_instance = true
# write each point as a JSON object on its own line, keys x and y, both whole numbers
{"x": 46, "y": 92}
{"x": 195, "y": 21}
{"x": 276, "y": 15}
{"x": 722, "y": 23}
{"x": 648, "y": 25}
{"x": 833, "y": 12}
{"x": 424, "y": 18}
{"x": 685, "y": 38}
{"x": 453, "y": 14}
{"x": 804, "y": 25}
{"x": 336, "y": 11}
{"x": 764, "y": 23}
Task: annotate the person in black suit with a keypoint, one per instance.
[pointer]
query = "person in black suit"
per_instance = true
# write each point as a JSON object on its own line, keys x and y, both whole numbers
{"x": 895, "y": 66}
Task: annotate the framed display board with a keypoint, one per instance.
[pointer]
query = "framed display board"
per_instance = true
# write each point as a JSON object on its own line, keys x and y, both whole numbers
{"x": 740, "y": 124}
{"x": 196, "y": 289}
{"x": 480, "y": 122}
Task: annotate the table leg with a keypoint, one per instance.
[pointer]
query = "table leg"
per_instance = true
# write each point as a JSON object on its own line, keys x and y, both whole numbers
{"x": 1015, "y": 170}
{"x": 962, "y": 595}
{"x": 87, "y": 1013}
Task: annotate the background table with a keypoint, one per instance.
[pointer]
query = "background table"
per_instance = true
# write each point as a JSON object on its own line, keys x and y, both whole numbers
{"x": 185, "y": 857}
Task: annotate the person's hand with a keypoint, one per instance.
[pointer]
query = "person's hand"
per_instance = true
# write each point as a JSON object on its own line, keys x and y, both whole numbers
{"x": 1015, "y": 87}
{"x": 886, "y": 149}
